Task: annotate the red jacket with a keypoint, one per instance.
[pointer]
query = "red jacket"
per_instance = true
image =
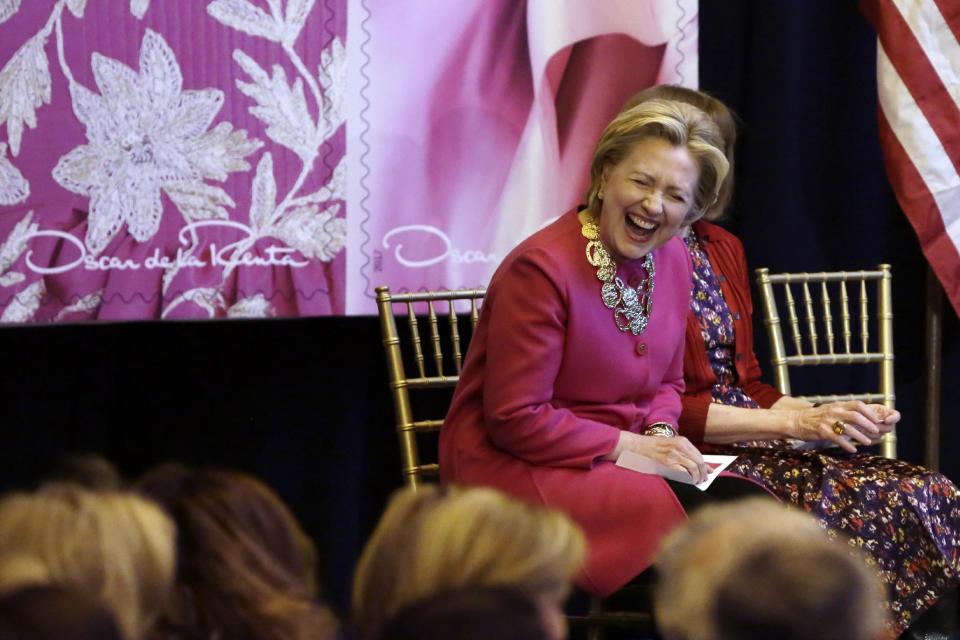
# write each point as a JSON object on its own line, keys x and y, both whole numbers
{"x": 550, "y": 381}
{"x": 729, "y": 263}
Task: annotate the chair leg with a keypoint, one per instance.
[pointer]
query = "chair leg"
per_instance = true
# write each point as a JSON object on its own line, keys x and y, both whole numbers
{"x": 595, "y": 631}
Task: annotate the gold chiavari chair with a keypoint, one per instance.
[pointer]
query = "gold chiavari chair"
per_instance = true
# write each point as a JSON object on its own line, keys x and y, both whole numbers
{"x": 422, "y": 368}
{"x": 435, "y": 370}
{"x": 823, "y": 298}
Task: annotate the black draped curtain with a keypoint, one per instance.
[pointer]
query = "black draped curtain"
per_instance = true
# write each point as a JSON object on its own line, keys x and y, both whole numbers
{"x": 811, "y": 190}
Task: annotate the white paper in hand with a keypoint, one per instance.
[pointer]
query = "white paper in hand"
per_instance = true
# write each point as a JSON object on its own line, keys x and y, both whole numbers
{"x": 643, "y": 464}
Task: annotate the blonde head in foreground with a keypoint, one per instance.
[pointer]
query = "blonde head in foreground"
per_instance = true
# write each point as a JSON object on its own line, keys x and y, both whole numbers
{"x": 755, "y": 567}
{"x": 438, "y": 539}
{"x": 115, "y": 546}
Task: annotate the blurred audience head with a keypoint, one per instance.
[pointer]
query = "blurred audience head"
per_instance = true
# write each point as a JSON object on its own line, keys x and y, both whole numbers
{"x": 87, "y": 469}
{"x": 721, "y": 115}
{"x": 717, "y": 577}
{"x": 444, "y": 538}
{"x": 115, "y": 546}
{"x": 245, "y": 568}
{"x": 55, "y": 613}
{"x": 814, "y": 588}
{"x": 480, "y": 613}
{"x": 19, "y": 570}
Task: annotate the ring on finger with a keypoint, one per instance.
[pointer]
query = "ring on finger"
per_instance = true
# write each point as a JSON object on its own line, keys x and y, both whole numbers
{"x": 839, "y": 427}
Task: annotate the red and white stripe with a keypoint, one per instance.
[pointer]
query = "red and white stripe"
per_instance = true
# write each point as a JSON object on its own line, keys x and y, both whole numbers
{"x": 918, "y": 81}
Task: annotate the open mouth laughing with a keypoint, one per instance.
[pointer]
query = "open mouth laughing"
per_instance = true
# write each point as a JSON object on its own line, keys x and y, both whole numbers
{"x": 640, "y": 226}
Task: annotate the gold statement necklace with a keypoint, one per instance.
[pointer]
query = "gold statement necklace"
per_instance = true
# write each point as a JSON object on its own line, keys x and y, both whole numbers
{"x": 631, "y": 306}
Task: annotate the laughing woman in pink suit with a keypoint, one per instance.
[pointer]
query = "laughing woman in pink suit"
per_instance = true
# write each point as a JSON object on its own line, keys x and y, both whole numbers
{"x": 578, "y": 356}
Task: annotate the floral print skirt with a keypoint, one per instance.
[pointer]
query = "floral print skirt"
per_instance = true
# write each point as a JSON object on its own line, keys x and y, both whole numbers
{"x": 905, "y": 517}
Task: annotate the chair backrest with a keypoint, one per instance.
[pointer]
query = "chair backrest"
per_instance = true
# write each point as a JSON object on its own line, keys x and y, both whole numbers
{"x": 411, "y": 370}
{"x": 864, "y": 337}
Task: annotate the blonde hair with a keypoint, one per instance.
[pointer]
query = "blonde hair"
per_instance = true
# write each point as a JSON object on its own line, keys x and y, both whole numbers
{"x": 697, "y": 562}
{"x": 724, "y": 118}
{"x": 439, "y": 539}
{"x": 678, "y": 123}
{"x": 114, "y": 545}
{"x": 21, "y": 571}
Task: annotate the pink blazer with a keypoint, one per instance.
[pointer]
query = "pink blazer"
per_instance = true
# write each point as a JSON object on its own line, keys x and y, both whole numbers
{"x": 548, "y": 382}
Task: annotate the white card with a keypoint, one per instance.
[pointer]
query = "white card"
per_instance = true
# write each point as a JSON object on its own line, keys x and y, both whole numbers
{"x": 643, "y": 464}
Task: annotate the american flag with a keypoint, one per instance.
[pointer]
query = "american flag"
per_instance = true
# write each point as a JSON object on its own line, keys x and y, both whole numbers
{"x": 918, "y": 82}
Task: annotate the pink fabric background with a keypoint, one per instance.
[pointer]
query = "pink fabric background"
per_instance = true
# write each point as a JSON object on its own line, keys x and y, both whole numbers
{"x": 203, "y": 47}
{"x": 482, "y": 118}
{"x": 467, "y": 125}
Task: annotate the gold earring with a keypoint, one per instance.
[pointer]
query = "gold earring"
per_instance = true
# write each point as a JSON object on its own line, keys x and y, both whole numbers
{"x": 600, "y": 193}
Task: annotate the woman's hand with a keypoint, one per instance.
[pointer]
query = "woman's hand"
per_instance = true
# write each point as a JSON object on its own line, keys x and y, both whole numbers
{"x": 862, "y": 423}
{"x": 676, "y": 452}
{"x": 888, "y": 420}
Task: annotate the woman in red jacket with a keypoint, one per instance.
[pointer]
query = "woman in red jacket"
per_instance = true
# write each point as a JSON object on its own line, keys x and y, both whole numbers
{"x": 905, "y": 516}
{"x": 578, "y": 355}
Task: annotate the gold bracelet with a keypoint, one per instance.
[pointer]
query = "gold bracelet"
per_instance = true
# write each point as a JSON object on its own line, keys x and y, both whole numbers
{"x": 660, "y": 430}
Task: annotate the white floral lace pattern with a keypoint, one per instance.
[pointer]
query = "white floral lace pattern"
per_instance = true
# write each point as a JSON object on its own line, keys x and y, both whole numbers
{"x": 24, "y": 305}
{"x": 139, "y": 8}
{"x": 85, "y": 305}
{"x": 13, "y": 247}
{"x": 146, "y": 134}
{"x": 156, "y": 165}
{"x": 278, "y": 26}
{"x": 24, "y": 88}
{"x": 8, "y": 8}
{"x": 13, "y": 186}
{"x": 255, "y": 307}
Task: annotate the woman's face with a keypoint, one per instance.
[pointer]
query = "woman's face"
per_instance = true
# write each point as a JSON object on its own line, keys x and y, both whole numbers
{"x": 646, "y": 198}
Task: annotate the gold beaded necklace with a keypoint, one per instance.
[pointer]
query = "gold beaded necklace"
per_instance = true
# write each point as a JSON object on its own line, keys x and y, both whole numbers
{"x": 631, "y": 306}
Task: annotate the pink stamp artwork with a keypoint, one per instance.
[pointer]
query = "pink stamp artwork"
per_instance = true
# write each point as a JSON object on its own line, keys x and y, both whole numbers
{"x": 195, "y": 159}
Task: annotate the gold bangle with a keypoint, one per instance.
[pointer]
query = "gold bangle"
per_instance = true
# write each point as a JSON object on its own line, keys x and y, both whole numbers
{"x": 660, "y": 430}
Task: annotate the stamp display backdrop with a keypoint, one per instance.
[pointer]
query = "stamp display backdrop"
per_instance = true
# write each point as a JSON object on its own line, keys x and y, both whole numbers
{"x": 194, "y": 159}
